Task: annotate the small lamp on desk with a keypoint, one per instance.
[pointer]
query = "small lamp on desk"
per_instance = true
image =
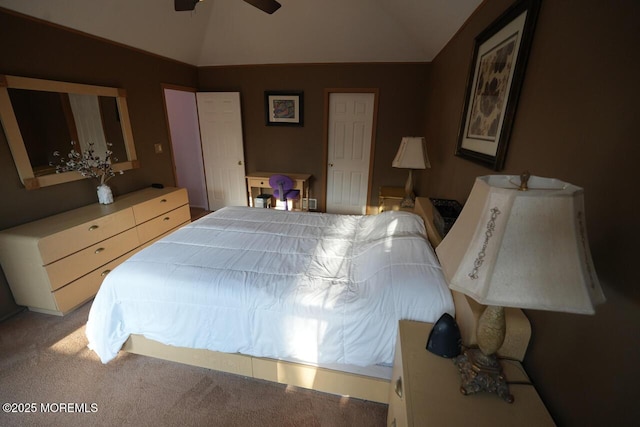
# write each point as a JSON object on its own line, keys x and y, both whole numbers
{"x": 517, "y": 243}
{"x": 412, "y": 154}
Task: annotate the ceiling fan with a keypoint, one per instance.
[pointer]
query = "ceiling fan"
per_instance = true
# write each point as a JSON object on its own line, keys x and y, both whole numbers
{"x": 268, "y": 6}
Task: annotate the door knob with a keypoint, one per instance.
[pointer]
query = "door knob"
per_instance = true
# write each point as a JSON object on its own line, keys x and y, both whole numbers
{"x": 239, "y": 162}
{"x": 331, "y": 164}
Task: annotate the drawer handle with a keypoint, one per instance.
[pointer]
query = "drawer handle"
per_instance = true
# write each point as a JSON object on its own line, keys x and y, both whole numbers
{"x": 97, "y": 251}
{"x": 166, "y": 218}
{"x": 398, "y": 387}
{"x": 93, "y": 227}
{"x": 104, "y": 273}
{"x": 163, "y": 201}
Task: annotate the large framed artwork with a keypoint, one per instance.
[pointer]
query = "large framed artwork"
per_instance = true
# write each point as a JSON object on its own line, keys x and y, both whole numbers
{"x": 284, "y": 108}
{"x": 493, "y": 88}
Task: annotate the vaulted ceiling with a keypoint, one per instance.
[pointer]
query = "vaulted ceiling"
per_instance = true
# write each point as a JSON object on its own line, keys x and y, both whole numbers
{"x": 232, "y": 32}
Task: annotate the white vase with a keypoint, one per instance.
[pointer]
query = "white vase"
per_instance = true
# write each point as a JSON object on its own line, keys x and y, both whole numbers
{"x": 104, "y": 194}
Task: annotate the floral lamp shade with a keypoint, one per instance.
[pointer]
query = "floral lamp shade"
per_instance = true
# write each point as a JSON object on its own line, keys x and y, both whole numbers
{"x": 412, "y": 154}
{"x": 526, "y": 249}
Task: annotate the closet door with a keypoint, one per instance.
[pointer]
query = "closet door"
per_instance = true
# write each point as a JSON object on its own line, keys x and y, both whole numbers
{"x": 222, "y": 148}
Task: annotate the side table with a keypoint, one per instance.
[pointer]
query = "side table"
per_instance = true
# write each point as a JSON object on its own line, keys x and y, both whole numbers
{"x": 425, "y": 390}
{"x": 389, "y": 199}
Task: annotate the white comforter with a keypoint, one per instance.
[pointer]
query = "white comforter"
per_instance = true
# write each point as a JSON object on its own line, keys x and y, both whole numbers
{"x": 317, "y": 288}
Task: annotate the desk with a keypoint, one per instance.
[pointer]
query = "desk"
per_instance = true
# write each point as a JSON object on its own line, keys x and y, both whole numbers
{"x": 259, "y": 181}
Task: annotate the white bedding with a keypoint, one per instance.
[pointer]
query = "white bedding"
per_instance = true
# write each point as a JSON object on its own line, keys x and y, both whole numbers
{"x": 314, "y": 287}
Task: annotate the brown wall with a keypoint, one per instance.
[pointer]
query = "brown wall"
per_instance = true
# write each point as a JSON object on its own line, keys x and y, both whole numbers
{"x": 32, "y": 49}
{"x": 575, "y": 121}
{"x": 300, "y": 149}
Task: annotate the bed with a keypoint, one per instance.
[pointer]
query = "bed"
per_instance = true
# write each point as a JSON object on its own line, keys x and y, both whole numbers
{"x": 306, "y": 299}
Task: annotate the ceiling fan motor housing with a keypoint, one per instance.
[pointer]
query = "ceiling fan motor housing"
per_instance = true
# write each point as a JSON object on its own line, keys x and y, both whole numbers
{"x": 182, "y": 5}
{"x": 268, "y": 6}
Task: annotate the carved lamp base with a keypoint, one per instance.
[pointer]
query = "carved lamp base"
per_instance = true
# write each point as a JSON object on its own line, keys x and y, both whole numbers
{"x": 481, "y": 373}
{"x": 408, "y": 201}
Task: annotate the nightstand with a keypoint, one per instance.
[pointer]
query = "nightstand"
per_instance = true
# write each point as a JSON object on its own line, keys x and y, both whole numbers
{"x": 389, "y": 199}
{"x": 425, "y": 390}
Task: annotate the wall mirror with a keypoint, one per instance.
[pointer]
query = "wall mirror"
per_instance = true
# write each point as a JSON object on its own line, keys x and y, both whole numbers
{"x": 40, "y": 117}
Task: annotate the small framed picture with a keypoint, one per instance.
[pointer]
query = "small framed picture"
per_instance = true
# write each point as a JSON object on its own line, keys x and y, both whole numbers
{"x": 284, "y": 108}
{"x": 497, "y": 72}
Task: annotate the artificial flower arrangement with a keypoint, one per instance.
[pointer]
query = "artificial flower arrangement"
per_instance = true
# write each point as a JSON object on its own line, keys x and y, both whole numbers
{"x": 87, "y": 163}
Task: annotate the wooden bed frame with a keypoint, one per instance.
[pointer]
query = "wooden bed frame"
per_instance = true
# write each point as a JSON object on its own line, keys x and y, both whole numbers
{"x": 328, "y": 380}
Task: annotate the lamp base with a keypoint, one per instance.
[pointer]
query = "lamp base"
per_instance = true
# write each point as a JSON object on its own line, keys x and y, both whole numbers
{"x": 480, "y": 372}
{"x": 408, "y": 202}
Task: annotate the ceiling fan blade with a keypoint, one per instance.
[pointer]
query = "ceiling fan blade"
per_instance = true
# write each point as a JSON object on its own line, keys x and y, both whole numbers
{"x": 268, "y": 6}
{"x": 182, "y": 5}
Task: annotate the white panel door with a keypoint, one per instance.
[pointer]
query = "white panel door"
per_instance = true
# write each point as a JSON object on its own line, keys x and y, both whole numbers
{"x": 349, "y": 151}
{"x": 222, "y": 148}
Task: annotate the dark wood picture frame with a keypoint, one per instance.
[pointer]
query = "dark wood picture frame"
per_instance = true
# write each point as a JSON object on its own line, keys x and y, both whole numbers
{"x": 284, "y": 108}
{"x": 493, "y": 87}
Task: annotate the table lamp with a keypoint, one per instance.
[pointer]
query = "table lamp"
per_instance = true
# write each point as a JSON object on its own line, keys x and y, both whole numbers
{"x": 412, "y": 154}
{"x": 518, "y": 242}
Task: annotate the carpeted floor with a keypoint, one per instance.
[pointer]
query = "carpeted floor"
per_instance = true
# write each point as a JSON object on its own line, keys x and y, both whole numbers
{"x": 45, "y": 365}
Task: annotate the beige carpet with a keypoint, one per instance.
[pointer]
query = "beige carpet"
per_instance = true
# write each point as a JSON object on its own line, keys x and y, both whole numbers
{"x": 44, "y": 360}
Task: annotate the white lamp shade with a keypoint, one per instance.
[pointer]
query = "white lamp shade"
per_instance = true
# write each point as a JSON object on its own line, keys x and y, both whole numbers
{"x": 526, "y": 249}
{"x": 412, "y": 154}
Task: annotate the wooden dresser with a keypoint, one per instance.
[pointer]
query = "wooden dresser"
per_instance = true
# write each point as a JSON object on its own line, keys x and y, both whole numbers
{"x": 55, "y": 264}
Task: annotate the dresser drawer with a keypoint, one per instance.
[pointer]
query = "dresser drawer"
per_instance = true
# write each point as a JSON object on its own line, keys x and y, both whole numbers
{"x": 67, "y": 269}
{"x": 152, "y": 208}
{"x": 59, "y": 245}
{"x": 160, "y": 225}
{"x": 258, "y": 182}
{"x": 85, "y": 288}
